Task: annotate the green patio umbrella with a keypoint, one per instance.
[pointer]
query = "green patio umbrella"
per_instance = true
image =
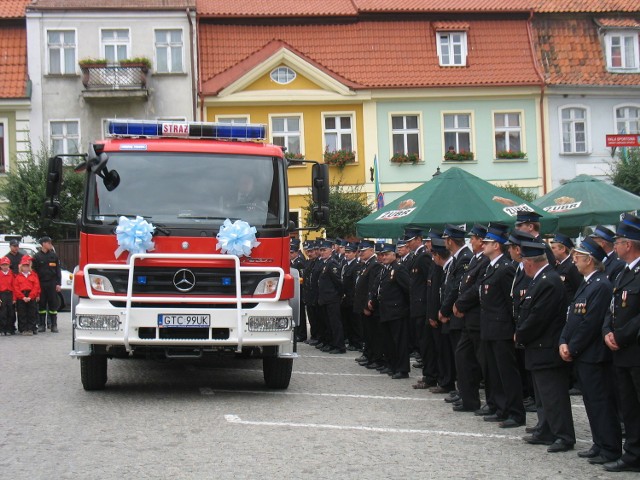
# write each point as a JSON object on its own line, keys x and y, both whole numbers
{"x": 454, "y": 196}
{"x": 586, "y": 201}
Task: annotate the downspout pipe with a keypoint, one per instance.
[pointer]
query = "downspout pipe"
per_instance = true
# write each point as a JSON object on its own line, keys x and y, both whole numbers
{"x": 194, "y": 92}
{"x": 543, "y": 138}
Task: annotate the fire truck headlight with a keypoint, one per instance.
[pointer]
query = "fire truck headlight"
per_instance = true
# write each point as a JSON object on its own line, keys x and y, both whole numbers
{"x": 269, "y": 324}
{"x": 100, "y": 283}
{"x": 267, "y": 286}
{"x": 98, "y": 322}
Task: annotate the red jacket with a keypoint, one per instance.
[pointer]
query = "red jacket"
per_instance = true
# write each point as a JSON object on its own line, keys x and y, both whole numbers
{"x": 6, "y": 281}
{"x": 30, "y": 282}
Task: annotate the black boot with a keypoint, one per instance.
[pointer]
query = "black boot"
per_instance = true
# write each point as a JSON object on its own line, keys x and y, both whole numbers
{"x": 41, "y": 322}
{"x": 54, "y": 323}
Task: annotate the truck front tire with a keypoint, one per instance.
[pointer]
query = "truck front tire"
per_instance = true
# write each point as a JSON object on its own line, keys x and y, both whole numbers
{"x": 277, "y": 372}
{"x": 93, "y": 372}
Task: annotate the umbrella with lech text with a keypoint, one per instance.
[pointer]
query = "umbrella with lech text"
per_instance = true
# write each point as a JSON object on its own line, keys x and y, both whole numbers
{"x": 454, "y": 196}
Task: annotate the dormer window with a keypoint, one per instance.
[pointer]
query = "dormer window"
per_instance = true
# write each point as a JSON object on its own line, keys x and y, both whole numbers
{"x": 452, "y": 48}
{"x": 622, "y": 50}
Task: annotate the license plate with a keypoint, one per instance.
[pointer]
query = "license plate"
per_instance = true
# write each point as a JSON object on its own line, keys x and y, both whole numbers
{"x": 184, "y": 321}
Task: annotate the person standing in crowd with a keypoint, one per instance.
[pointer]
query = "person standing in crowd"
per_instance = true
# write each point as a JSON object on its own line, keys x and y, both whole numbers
{"x": 496, "y": 331}
{"x": 541, "y": 319}
{"x": 350, "y": 321}
{"x": 26, "y": 293}
{"x": 310, "y": 293}
{"x": 365, "y": 283}
{"x": 47, "y": 265}
{"x": 297, "y": 261}
{"x": 7, "y": 318}
{"x": 561, "y": 246}
{"x": 321, "y": 321}
{"x": 15, "y": 255}
{"x": 329, "y": 296}
{"x": 393, "y": 301}
{"x": 530, "y": 222}
{"x": 621, "y": 329}
{"x": 612, "y": 264}
{"x": 469, "y": 358}
{"x": 581, "y": 343}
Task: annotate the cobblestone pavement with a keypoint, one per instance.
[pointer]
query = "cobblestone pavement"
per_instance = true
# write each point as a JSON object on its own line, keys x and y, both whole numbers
{"x": 215, "y": 419}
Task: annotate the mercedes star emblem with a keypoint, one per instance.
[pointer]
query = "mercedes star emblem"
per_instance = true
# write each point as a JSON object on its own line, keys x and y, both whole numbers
{"x": 184, "y": 280}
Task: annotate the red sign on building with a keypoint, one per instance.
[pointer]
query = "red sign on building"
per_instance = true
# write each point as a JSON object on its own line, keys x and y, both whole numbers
{"x": 623, "y": 140}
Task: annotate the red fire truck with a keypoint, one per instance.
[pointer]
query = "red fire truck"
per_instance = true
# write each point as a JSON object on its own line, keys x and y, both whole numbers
{"x": 178, "y": 292}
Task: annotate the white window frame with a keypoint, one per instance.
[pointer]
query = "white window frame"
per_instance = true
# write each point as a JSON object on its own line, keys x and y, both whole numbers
{"x": 608, "y": 39}
{"x": 62, "y": 48}
{"x": 103, "y": 44}
{"x": 587, "y": 127}
{"x": 65, "y": 137}
{"x": 521, "y": 129}
{"x": 226, "y": 118}
{"x": 295, "y": 75}
{"x": 615, "y": 116}
{"x": 406, "y": 131}
{"x": 471, "y": 131}
{"x": 168, "y": 46}
{"x": 463, "y": 44}
{"x": 286, "y": 115}
{"x": 5, "y": 146}
{"x": 340, "y": 131}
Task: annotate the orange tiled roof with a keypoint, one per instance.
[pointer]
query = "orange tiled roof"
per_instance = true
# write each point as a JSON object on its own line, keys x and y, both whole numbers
{"x": 112, "y": 4}
{"x": 275, "y": 8}
{"x": 570, "y": 53}
{"x": 371, "y": 6}
{"x": 450, "y": 26}
{"x": 618, "y": 22}
{"x": 593, "y": 6}
{"x": 13, "y": 62}
{"x": 13, "y": 8}
{"x": 373, "y": 54}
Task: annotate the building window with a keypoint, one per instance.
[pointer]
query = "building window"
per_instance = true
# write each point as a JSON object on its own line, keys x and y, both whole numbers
{"x": 283, "y": 75}
{"x": 232, "y": 120}
{"x": 457, "y": 132}
{"x": 452, "y": 49}
{"x": 65, "y": 137}
{"x": 115, "y": 45}
{"x": 574, "y": 130}
{"x": 622, "y": 51}
{"x": 286, "y": 132}
{"x": 628, "y": 120}
{"x": 169, "y": 51}
{"x": 508, "y": 132}
{"x": 61, "y": 45}
{"x": 338, "y": 132}
{"x": 405, "y": 134}
{"x": 3, "y": 167}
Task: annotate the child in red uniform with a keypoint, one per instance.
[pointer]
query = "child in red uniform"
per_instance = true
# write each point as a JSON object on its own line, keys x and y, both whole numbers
{"x": 6, "y": 297}
{"x": 26, "y": 292}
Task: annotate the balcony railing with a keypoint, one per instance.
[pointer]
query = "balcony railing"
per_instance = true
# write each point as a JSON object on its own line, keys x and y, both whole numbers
{"x": 114, "y": 78}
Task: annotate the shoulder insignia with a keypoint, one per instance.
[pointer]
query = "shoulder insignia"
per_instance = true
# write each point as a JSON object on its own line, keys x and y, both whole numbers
{"x": 335, "y": 270}
{"x": 392, "y": 272}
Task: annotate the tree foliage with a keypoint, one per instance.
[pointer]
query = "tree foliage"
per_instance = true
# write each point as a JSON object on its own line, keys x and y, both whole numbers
{"x": 523, "y": 193}
{"x": 25, "y": 188}
{"x": 347, "y": 205}
{"x": 625, "y": 173}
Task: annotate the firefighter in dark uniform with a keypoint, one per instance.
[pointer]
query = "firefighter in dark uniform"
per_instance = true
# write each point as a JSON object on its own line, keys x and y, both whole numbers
{"x": 542, "y": 317}
{"x": 47, "y": 265}
{"x": 364, "y": 285}
{"x": 309, "y": 293}
{"x": 329, "y": 296}
{"x": 297, "y": 261}
{"x": 530, "y": 222}
{"x": 321, "y": 321}
{"x": 392, "y": 300}
{"x": 468, "y": 355}
{"x": 621, "y": 329}
{"x": 496, "y": 332}
{"x": 581, "y": 343}
{"x": 612, "y": 264}
{"x": 561, "y": 245}
{"x": 350, "y": 321}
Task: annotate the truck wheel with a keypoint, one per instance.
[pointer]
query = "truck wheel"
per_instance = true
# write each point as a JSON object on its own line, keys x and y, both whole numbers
{"x": 93, "y": 372}
{"x": 277, "y": 371}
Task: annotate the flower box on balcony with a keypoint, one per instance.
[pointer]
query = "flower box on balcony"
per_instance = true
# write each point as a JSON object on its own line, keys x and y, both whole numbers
{"x": 401, "y": 158}
{"x": 142, "y": 62}
{"x": 339, "y": 158}
{"x": 92, "y": 63}
{"x": 293, "y": 156}
{"x": 458, "y": 156}
{"x": 510, "y": 154}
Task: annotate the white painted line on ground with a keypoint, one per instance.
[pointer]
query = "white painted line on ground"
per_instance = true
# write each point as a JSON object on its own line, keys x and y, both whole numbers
{"x": 295, "y": 372}
{"x": 332, "y": 357}
{"x": 212, "y": 391}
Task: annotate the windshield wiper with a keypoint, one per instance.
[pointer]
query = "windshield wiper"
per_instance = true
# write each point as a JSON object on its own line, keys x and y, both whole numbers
{"x": 198, "y": 217}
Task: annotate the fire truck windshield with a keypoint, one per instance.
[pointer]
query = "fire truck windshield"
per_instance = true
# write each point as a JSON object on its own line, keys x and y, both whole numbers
{"x": 187, "y": 189}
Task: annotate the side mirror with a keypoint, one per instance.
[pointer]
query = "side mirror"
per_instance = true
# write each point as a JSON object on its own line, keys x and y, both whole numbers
{"x": 320, "y": 184}
{"x": 51, "y": 209}
{"x": 321, "y": 214}
{"x": 54, "y": 177}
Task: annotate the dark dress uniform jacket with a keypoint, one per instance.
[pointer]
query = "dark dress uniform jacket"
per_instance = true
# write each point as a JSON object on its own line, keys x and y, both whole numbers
{"x": 365, "y": 281}
{"x": 313, "y": 281}
{"x": 519, "y": 289}
{"x": 393, "y": 294}
{"x": 570, "y": 276}
{"x": 542, "y": 317}
{"x": 468, "y": 301}
{"x": 613, "y": 266}
{"x": 47, "y": 266}
{"x": 496, "y": 319}
{"x": 407, "y": 260}
{"x": 329, "y": 282}
{"x": 583, "y": 330}
{"x": 349, "y": 271}
{"x": 299, "y": 264}
{"x": 456, "y": 272}
{"x": 419, "y": 273}
{"x": 624, "y": 321}
{"x": 434, "y": 281}
{"x": 308, "y": 292}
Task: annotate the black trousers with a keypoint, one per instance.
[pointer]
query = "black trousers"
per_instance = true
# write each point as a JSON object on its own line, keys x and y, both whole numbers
{"x": 429, "y": 353}
{"x": 600, "y": 404}
{"x": 312, "y": 314}
{"x": 373, "y": 337}
{"x": 525, "y": 375}
{"x": 27, "y": 315}
{"x": 351, "y": 325}
{"x": 552, "y": 392}
{"x": 628, "y": 379}
{"x": 504, "y": 378}
{"x": 49, "y": 301}
{"x": 7, "y": 318}
{"x": 334, "y": 334}
{"x": 446, "y": 361}
{"x": 301, "y": 330}
{"x": 398, "y": 333}
{"x": 468, "y": 356}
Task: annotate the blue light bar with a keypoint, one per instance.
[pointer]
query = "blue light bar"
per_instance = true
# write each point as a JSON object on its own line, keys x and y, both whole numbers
{"x": 208, "y": 130}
